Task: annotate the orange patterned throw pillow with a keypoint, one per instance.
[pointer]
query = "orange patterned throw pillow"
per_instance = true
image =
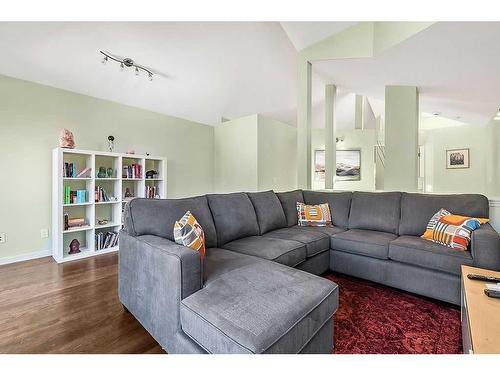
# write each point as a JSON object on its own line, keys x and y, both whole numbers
{"x": 450, "y": 230}
{"x": 188, "y": 232}
{"x": 314, "y": 215}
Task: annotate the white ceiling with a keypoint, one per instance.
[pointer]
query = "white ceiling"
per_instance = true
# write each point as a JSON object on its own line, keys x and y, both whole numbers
{"x": 454, "y": 64}
{"x": 303, "y": 34}
{"x": 212, "y": 69}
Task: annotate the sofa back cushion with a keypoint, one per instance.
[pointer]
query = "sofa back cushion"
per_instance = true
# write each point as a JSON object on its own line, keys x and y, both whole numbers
{"x": 417, "y": 209}
{"x": 375, "y": 211}
{"x": 339, "y": 203}
{"x": 234, "y": 216}
{"x": 269, "y": 211}
{"x": 158, "y": 216}
{"x": 289, "y": 201}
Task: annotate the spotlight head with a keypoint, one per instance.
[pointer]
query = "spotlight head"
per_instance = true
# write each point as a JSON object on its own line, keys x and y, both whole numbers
{"x": 105, "y": 60}
{"x": 122, "y": 67}
{"x": 150, "y": 77}
{"x": 136, "y": 71}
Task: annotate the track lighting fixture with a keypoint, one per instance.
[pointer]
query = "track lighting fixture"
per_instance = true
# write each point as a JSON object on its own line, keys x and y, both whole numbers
{"x": 126, "y": 63}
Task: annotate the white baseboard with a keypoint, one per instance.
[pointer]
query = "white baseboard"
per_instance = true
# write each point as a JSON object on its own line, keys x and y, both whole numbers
{"x": 27, "y": 256}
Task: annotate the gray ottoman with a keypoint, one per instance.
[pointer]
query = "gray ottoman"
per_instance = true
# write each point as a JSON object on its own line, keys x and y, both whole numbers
{"x": 261, "y": 307}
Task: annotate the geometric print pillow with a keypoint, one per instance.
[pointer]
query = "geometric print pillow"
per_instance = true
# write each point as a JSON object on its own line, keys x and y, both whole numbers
{"x": 314, "y": 215}
{"x": 188, "y": 232}
{"x": 450, "y": 230}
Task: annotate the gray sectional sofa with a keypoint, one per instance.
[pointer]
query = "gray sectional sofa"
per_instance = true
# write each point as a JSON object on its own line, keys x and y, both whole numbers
{"x": 258, "y": 291}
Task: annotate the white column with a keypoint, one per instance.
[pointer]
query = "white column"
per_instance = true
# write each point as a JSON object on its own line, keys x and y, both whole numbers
{"x": 304, "y": 157}
{"x": 359, "y": 121}
{"x": 401, "y": 138}
{"x": 330, "y": 144}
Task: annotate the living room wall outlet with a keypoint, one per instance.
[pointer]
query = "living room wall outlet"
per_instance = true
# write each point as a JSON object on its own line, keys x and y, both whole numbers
{"x": 44, "y": 233}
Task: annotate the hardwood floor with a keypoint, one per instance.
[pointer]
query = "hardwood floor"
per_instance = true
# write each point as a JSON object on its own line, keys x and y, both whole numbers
{"x": 47, "y": 307}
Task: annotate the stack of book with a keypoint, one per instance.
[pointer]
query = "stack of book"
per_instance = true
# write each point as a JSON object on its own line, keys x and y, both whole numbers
{"x": 151, "y": 192}
{"x": 101, "y": 195}
{"x": 76, "y": 222}
{"x": 132, "y": 171}
{"x": 106, "y": 240}
{"x": 74, "y": 196}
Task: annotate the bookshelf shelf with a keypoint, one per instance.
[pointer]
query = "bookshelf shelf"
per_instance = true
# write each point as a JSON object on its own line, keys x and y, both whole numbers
{"x": 109, "y": 225}
{"x": 77, "y": 204}
{"x": 108, "y": 202}
{"x": 116, "y": 165}
{"x": 78, "y": 229}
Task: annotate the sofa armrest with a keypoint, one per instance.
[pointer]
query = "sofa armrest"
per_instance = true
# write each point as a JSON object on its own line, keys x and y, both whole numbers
{"x": 485, "y": 248}
{"x": 155, "y": 274}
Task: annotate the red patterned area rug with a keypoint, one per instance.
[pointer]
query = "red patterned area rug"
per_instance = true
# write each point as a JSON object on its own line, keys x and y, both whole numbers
{"x": 375, "y": 319}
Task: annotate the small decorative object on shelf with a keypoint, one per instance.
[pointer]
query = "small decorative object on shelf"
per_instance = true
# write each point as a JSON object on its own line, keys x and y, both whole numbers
{"x": 111, "y": 143}
{"x": 110, "y": 172}
{"x": 74, "y": 247}
{"x": 66, "y": 222}
{"x": 128, "y": 194}
{"x": 66, "y": 139}
{"x": 131, "y": 151}
{"x": 102, "y": 222}
{"x": 151, "y": 174}
{"x": 101, "y": 173}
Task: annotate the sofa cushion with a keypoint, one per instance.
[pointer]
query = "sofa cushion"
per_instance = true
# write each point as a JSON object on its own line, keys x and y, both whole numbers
{"x": 363, "y": 242}
{"x": 139, "y": 214}
{"x": 420, "y": 252}
{"x": 234, "y": 216}
{"x": 282, "y": 251}
{"x": 339, "y": 202}
{"x": 316, "y": 242}
{"x": 289, "y": 201}
{"x": 375, "y": 211}
{"x": 330, "y": 231}
{"x": 270, "y": 214}
{"x": 258, "y": 307}
{"x": 417, "y": 209}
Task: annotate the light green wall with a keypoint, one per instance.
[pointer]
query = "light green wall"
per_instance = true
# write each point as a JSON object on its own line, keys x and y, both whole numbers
{"x": 401, "y": 138}
{"x": 353, "y": 139}
{"x": 255, "y": 153}
{"x": 31, "y": 116}
{"x": 481, "y": 142}
{"x": 236, "y": 155}
{"x": 277, "y": 155}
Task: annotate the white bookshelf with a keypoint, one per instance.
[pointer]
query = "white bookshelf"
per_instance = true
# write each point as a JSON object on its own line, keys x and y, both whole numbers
{"x": 91, "y": 210}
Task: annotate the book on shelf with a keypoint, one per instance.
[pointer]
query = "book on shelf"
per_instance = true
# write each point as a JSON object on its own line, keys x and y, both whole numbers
{"x": 152, "y": 192}
{"x": 101, "y": 195}
{"x": 106, "y": 240}
{"x": 74, "y": 196}
{"x": 76, "y": 222}
{"x": 69, "y": 170}
{"x": 132, "y": 171}
{"x": 85, "y": 172}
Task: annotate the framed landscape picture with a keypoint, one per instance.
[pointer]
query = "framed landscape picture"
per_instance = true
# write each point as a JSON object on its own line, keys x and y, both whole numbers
{"x": 319, "y": 165}
{"x": 348, "y": 165}
{"x": 458, "y": 158}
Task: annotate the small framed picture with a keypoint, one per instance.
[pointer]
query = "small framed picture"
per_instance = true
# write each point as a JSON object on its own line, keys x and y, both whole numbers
{"x": 457, "y": 159}
{"x": 348, "y": 165}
